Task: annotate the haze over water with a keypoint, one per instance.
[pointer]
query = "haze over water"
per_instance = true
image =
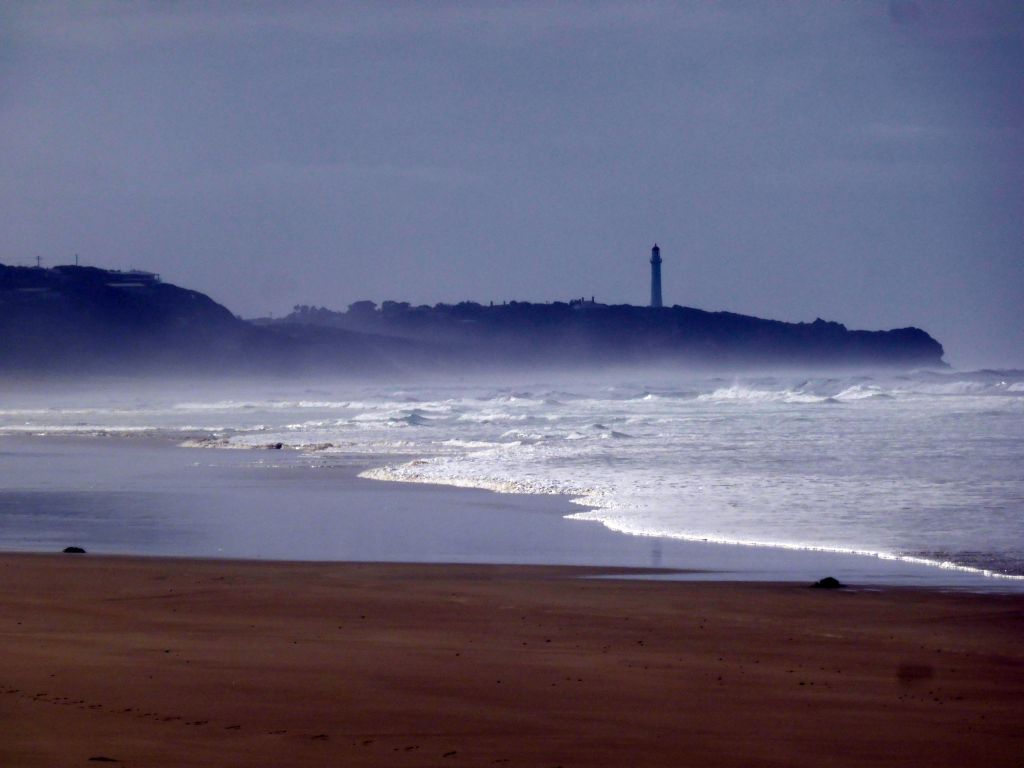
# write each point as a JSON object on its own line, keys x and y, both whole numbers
{"x": 911, "y": 466}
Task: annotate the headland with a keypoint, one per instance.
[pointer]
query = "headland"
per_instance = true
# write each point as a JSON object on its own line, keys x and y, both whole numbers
{"x": 83, "y": 320}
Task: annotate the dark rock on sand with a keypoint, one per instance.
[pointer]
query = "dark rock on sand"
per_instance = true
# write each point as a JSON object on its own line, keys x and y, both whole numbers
{"x": 74, "y": 551}
{"x": 828, "y": 583}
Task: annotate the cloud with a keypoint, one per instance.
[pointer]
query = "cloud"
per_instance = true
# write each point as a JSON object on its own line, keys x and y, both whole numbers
{"x": 103, "y": 24}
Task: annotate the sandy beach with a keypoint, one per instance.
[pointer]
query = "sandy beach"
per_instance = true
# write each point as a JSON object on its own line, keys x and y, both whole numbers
{"x": 153, "y": 662}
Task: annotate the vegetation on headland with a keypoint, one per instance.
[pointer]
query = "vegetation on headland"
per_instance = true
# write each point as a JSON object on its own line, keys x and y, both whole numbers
{"x": 561, "y": 333}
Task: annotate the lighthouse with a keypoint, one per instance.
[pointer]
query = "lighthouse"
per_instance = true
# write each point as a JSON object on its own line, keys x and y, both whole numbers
{"x": 655, "y": 276}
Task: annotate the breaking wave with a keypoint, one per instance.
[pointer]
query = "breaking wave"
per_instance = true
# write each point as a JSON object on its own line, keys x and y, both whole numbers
{"x": 893, "y": 466}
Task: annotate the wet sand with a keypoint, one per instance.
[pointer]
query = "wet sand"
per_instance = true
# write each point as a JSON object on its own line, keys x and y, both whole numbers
{"x": 165, "y": 662}
{"x": 147, "y": 496}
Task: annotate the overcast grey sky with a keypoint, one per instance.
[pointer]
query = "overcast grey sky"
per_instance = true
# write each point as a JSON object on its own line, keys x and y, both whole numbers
{"x": 857, "y": 160}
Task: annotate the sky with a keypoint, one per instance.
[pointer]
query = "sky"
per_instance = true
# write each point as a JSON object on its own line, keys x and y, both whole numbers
{"x": 855, "y": 160}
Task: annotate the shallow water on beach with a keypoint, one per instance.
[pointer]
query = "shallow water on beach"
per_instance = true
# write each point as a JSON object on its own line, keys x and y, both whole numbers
{"x": 925, "y": 466}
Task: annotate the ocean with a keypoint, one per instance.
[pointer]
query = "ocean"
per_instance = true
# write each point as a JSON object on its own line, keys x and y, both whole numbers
{"x": 923, "y": 467}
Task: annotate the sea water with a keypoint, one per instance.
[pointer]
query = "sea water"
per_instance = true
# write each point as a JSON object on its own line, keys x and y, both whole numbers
{"x": 925, "y": 466}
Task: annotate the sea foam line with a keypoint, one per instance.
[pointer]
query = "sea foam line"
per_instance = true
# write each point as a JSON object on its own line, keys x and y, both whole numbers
{"x": 595, "y": 500}
{"x": 798, "y": 547}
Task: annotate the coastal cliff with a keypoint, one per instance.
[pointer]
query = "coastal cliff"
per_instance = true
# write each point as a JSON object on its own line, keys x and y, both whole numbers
{"x": 72, "y": 319}
{"x": 587, "y": 333}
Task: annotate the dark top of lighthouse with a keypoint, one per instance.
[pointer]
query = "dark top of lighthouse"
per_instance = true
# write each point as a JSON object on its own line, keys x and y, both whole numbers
{"x": 656, "y": 276}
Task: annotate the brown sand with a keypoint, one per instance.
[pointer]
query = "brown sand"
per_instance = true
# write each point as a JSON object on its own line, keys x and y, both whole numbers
{"x": 157, "y": 662}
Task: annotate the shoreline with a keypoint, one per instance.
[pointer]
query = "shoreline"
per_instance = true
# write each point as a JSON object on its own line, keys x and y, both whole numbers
{"x": 290, "y": 506}
{"x": 185, "y": 662}
{"x": 582, "y": 516}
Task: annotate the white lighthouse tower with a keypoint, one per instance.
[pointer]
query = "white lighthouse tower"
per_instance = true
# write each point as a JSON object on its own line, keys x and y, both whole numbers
{"x": 656, "y": 276}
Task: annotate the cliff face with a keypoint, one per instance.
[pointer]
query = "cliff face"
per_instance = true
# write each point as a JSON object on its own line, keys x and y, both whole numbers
{"x": 80, "y": 319}
{"x": 89, "y": 319}
{"x": 71, "y": 320}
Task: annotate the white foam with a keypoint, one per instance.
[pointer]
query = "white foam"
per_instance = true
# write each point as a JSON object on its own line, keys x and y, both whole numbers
{"x": 742, "y": 394}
